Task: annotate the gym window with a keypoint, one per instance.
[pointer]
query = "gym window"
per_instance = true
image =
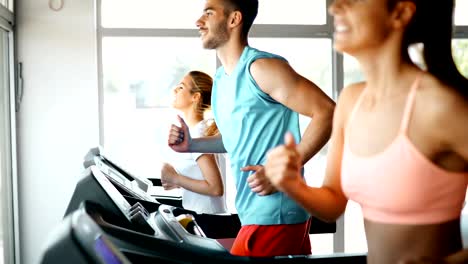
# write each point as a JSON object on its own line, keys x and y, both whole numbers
{"x": 146, "y": 46}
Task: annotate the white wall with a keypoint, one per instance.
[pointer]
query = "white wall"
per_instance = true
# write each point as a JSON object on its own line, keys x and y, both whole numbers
{"x": 58, "y": 120}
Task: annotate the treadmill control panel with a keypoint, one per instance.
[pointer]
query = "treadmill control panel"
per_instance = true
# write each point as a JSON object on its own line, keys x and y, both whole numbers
{"x": 183, "y": 228}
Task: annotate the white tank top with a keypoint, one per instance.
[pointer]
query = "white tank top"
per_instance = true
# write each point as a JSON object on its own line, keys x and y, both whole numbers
{"x": 186, "y": 164}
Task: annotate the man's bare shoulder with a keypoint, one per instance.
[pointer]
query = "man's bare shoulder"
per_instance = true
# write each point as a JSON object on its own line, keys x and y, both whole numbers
{"x": 268, "y": 64}
{"x": 272, "y": 74}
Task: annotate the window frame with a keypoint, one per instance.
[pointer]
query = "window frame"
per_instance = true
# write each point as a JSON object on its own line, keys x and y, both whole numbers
{"x": 9, "y": 5}
{"x": 10, "y": 205}
{"x": 460, "y": 32}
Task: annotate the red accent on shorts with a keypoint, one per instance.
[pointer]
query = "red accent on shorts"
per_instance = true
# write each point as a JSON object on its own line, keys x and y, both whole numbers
{"x": 272, "y": 240}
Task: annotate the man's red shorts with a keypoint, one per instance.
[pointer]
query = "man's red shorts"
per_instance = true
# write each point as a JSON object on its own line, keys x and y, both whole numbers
{"x": 272, "y": 240}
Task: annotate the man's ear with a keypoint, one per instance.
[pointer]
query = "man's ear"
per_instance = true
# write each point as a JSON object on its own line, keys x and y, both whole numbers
{"x": 403, "y": 12}
{"x": 235, "y": 19}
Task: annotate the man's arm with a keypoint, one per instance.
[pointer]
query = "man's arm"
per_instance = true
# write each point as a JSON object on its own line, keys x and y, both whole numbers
{"x": 278, "y": 79}
{"x": 213, "y": 144}
{"x": 180, "y": 140}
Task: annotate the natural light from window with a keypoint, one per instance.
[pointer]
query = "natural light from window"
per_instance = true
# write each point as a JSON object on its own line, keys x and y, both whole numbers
{"x": 151, "y": 14}
{"x": 139, "y": 73}
{"x": 461, "y": 18}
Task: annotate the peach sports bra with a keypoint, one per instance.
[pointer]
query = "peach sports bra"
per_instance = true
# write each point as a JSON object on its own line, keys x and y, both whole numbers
{"x": 400, "y": 185}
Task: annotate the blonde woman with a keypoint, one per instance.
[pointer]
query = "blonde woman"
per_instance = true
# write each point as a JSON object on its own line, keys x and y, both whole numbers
{"x": 202, "y": 176}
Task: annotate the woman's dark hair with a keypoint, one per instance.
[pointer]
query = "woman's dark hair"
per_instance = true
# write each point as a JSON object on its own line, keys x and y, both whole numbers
{"x": 432, "y": 25}
{"x": 202, "y": 83}
{"x": 248, "y": 9}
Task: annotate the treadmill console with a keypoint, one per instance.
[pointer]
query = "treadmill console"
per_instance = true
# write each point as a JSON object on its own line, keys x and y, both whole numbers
{"x": 183, "y": 228}
{"x": 119, "y": 178}
{"x": 136, "y": 213}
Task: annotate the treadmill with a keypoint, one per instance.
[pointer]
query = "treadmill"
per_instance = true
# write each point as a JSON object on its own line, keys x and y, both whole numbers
{"x": 89, "y": 235}
{"x": 131, "y": 185}
{"x": 109, "y": 181}
{"x": 95, "y": 187}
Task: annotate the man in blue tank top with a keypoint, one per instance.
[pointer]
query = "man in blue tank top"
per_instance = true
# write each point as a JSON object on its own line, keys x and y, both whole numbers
{"x": 256, "y": 99}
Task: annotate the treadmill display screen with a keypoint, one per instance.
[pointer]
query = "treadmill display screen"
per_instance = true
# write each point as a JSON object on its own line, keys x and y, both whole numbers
{"x": 105, "y": 252}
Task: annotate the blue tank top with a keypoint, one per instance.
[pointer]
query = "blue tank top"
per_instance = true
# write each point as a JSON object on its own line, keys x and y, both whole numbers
{"x": 251, "y": 123}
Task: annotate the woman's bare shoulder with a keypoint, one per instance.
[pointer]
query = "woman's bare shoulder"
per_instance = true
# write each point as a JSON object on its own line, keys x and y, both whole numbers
{"x": 349, "y": 95}
{"x": 442, "y": 100}
{"x": 443, "y": 108}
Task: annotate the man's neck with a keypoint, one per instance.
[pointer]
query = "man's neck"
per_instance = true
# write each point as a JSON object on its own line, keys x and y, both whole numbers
{"x": 229, "y": 55}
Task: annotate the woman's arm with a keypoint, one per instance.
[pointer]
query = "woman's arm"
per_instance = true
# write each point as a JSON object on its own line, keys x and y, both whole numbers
{"x": 285, "y": 162}
{"x": 283, "y": 169}
{"x": 212, "y": 184}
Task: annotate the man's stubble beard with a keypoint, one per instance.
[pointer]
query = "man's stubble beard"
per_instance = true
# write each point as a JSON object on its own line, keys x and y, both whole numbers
{"x": 219, "y": 36}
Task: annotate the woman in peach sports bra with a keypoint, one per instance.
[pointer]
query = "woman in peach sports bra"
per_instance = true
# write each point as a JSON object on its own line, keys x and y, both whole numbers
{"x": 399, "y": 145}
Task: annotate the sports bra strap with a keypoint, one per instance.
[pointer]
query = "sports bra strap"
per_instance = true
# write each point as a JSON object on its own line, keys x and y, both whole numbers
{"x": 355, "y": 107}
{"x": 409, "y": 105}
